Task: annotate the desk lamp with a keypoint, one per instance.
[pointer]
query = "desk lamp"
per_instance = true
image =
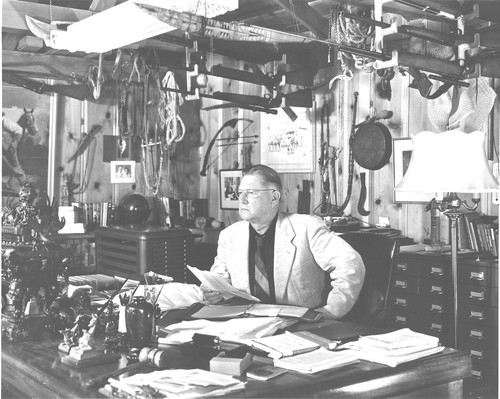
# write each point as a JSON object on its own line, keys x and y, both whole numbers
{"x": 446, "y": 164}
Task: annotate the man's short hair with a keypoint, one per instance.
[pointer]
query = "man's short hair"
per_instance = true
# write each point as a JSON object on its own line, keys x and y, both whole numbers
{"x": 268, "y": 174}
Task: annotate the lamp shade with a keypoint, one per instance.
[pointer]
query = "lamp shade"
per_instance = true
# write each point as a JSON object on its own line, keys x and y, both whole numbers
{"x": 451, "y": 161}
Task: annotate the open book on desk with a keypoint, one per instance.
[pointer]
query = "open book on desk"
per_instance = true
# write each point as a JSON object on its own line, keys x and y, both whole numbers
{"x": 219, "y": 284}
{"x": 212, "y": 312}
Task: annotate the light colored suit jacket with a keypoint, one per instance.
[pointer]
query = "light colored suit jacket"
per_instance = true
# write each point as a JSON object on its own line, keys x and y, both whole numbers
{"x": 305, "y": 250}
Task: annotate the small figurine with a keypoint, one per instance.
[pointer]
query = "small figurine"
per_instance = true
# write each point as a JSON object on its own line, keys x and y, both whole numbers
{"x": 86, "y": 345}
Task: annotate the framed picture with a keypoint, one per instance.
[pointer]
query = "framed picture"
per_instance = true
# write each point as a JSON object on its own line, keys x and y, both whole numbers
{"x": 402, "y": 149}
{"x": 288, "y": 146}
{"x": 26, "y": 139}
{"x": 122, "y": 171}
{"x": 229, "y": 182}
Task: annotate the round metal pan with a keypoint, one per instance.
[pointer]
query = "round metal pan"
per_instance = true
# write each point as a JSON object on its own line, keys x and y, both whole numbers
{"x": 372, "y": 145}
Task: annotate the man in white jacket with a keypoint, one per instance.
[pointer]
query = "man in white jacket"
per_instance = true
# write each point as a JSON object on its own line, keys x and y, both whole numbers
{"x": 298, "y": 254}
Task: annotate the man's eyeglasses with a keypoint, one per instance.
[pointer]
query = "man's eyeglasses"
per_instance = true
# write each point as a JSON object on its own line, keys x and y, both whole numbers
{"x": 252, "y": 193}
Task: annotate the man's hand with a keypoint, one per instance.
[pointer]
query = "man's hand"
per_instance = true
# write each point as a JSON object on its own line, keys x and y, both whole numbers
{"x": 212, "y": 297}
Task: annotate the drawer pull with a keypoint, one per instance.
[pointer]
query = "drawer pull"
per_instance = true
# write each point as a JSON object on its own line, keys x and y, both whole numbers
{"x": 401, "y": 284}
{"x": 401, "y": 302}
{"x": 401, "y": 319}
{"x": 477, "y": 354}
{"x": 402, "y": 267}
{"x": 437, "y": 327}
{"x": 437, "y": 270}
{"x": 436, "y": 289}
{"x": 477, "y": 295}
{"x": 476, "y": 334}
{"x": 477, "y": 373}
{"x": 477, "y": 276}
{"x": 436, "y": 308}
{"x": 474, "y": 314}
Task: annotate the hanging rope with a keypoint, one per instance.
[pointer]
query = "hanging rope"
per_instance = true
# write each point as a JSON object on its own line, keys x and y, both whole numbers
{"x": 351, "y": 33}
{"x": 169, "y": 110}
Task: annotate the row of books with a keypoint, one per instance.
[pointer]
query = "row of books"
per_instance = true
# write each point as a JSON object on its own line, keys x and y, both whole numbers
{"x": 175, "y": 213}
{"x": 80, "y": 216}
{"x": 477, "y": 233}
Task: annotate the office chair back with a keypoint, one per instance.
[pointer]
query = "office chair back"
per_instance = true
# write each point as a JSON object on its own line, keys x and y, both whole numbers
{"x": 379, "y": 255}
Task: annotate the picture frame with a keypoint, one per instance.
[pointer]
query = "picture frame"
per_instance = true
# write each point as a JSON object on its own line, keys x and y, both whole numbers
{"x": 288, "y": 146}
{"x": 122, "y": 171}
{"x": 229, "y": 182}
{"x": 402, "y": 150}
{"x": 30, "y": 153}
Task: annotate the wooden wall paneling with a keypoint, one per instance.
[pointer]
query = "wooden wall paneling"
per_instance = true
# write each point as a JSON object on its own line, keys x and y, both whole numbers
{"x": 99, "y": 189}
{"x": 68, "y": 137}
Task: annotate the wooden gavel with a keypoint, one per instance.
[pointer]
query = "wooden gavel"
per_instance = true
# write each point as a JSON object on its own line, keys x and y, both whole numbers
{"x": 147, "y": 357}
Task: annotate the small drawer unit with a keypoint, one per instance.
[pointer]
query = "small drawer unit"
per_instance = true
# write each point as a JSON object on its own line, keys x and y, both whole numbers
{"x": 420, "y": 295}
{"x": 122, "y": 250}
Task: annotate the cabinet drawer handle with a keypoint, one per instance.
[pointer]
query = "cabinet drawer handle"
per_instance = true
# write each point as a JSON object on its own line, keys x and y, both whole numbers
{"x": 437, "y": 270}
{"x": 477, "y": 354}
{"x": 478, "y": 315}
{"x": 401, "y": 302}
{"x": 477, "y": 295}
{"x": 401, "y": 319}
{"x": 478, "y": 334}
{"x": 477, "y": 276}
{"x": 401, "y": 284}
{"x": 478, "y": 374}
{"x": 402, "y": 267}
{"x": 436, "y": 327}
{"x": 437, "y": 289}
{"x": 436, "y": 308}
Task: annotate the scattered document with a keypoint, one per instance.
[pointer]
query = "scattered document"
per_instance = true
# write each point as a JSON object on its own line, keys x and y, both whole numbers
{"x": 189, "y": 383}
{"x": 219, "y": 284}
{"x": 254, "y": 309}
{"x": 318, "y": 360}
{"x": 396, "y": 347}
{"x": 283, "y": 345}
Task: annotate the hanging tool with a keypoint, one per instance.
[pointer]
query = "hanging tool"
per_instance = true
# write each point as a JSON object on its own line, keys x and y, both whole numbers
{"x": 323, "y": 208}
{"x": 339, "y": 210}
{"x": 230, "y": 123}
{"x": 362, "y": 196}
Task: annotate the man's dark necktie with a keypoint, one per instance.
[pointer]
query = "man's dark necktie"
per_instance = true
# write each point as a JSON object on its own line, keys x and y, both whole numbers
{"x": 261, "y": 280}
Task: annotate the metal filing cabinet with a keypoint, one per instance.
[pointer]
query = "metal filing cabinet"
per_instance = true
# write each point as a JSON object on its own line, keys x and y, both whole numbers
{"x": 421, "y": 298}
{"x": 420, "y": 295}
{"x": 478, "y": 319}
{"x": 122, "y": 250}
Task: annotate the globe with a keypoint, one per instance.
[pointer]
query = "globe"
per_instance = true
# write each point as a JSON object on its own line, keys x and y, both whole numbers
{"x": 134, "y": 209}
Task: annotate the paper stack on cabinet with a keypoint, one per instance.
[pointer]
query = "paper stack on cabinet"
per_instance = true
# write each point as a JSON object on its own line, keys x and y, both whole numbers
{"x": 318, "y": 360}
{"x": 396, "y": 347}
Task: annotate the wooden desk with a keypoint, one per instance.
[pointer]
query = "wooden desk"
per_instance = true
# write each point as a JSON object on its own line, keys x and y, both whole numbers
{"x": 34, "y": 369}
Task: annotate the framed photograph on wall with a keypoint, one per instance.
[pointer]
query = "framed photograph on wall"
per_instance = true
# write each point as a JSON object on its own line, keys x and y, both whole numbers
{"x": 122, "y": 171}
{"x": 288, "y": 146}
{"x": 229, "y": 182}
{"x": 402, "y": 149}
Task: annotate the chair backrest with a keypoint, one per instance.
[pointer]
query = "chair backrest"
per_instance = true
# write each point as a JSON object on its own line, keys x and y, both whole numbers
{"x": 379, "y": 255}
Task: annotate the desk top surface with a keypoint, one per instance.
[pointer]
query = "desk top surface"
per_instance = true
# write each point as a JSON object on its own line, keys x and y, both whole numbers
{"x": 36, "y": 368}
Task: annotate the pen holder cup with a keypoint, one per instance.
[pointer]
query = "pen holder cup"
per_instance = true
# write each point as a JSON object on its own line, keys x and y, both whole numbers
{"x": 140, "y": 320}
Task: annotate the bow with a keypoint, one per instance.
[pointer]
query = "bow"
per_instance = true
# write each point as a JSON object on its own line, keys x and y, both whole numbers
{"x": 230, "y": 123}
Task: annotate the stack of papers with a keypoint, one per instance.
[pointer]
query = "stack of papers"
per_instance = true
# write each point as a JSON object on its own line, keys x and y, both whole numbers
{"x": 396, "y": 347}
{"x": 318, "y": 360}
{"x": 191, "y": 383}
{"x": 253, "y": 309}
{"x": 283, "y": 345}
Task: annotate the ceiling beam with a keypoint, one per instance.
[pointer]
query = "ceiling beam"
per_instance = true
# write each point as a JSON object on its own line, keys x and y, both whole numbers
{"x": 306, "y": 15}
{"x": 13, "y": 14}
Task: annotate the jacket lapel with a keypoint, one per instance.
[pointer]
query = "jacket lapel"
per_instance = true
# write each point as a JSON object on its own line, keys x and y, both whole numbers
{"x": 284, "y": 254}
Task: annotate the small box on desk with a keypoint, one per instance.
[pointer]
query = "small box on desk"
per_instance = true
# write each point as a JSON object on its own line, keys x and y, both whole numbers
{"x": 122, "y": 250}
